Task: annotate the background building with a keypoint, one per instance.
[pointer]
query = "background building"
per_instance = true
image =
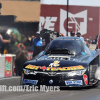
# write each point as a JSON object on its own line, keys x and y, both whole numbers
{"x": 21, "y": 14}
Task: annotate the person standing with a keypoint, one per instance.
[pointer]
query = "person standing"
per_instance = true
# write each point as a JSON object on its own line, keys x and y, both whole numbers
{"x": 31, "y": 43}
{"x": 1, "y": 42}
{"x": 79, "y": 35}
{"x": 21, "y": 58}
{"x": 37, "y": 44}
{"x": 72, "y": 34}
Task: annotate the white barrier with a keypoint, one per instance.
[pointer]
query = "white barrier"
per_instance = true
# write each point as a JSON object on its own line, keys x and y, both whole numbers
{"x": 7, "y": 65}
{"x": 2, "y": 64}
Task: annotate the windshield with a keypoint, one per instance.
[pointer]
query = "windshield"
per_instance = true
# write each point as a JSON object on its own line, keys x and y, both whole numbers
{"x": 67, "y": 47}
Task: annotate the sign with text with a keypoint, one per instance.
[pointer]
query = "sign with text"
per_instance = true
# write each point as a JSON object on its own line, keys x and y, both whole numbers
{"x": 8, "y": 68}
{"x": 84, "y": 19}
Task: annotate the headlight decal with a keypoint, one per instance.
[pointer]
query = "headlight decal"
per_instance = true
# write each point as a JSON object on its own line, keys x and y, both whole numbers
{"x": 27, "y": 72}
{"x": 79, "y": 73}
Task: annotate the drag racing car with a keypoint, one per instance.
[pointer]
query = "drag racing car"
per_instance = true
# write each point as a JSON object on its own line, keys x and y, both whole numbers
{"x": 65, "y": 62}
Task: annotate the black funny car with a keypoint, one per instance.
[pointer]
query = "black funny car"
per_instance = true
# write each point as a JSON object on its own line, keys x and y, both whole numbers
{"x": 66, "y": 61}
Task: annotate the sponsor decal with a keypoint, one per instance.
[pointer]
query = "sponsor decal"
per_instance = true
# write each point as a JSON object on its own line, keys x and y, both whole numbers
{"x": 52, "y": 73}
{"x": 51, "y": 81}
{"x": 43, "y": 68}
{"x": 48, "y": 22}
{"x": 8, "y": 61}
{"x": 34, "y": 82}
{"x": 85, "y": 79}
{"x": 54, "y": 64}
{"x": 76, "y": 82}
{"x": 76, "y": 22}
{"x": 54, "y": 68}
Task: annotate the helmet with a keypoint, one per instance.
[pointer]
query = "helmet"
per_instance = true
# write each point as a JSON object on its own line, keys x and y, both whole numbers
{"x": 63, "y": 35}
{"x": 78, "y": 33}
{"x": 72, "y": 33}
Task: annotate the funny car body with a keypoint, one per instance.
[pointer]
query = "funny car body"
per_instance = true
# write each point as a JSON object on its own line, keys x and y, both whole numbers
{"x": 65, "y": 62}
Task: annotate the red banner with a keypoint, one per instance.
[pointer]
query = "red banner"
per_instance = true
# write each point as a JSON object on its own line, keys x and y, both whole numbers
{"x": 8, "y": 68}
{"x": 84, "y": 19}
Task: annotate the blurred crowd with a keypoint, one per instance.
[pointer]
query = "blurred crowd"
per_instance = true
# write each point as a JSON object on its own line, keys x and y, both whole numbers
{"x": 9, "y": 41}
{"x": 12, "y": 42}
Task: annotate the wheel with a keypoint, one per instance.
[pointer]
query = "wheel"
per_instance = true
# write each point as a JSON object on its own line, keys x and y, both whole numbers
{"x": 92, "y": 71}
{"x": 92, "y": 78}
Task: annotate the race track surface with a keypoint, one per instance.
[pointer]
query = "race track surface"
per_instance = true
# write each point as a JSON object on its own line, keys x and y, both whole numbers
{"x": 92, "y": 93}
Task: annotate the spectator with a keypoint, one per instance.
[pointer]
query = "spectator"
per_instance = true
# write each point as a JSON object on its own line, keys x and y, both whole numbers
{"x": 79, "y": 35}
{"x": 31, "y": 43}
{"x": 86, "y": 42}
{"x": 37, "y": 44}
{"x": 12, "y": 47}
{"x": 21, "y": 58}
{"x": 27, "y": 42}
{"x": 61, "y": 35}
{"x": 3, "y": 41}
{"x": 72, "y": 34}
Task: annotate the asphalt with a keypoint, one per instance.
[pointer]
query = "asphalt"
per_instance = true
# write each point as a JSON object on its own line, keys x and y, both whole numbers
{"x": 90, "y": 93}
